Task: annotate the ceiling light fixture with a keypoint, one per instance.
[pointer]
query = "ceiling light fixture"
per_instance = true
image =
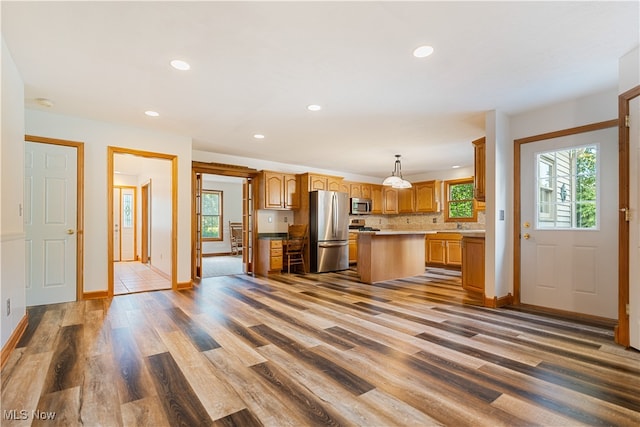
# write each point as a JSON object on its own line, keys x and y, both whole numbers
{"x": 258, "y": 136}
{"x": 423, "y": 51}
{"x": 395, "y": 180}
{"x": 45, "y": 102}
{"x": 180, "y": 65}
{"x": 314, "y": 107}
{"x": 152, "y": 113}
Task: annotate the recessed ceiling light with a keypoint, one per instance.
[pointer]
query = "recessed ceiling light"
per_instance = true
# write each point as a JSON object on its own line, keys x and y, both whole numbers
{"x": 423, "y": 51}
{"x": 455, "y": 167}
{"x": 314, "y": 107}
{"x": 152, "y": 113}
{"x": 180, "y": 65}
{"x": 45, "y": 102}
{"x": 258, "y": 136}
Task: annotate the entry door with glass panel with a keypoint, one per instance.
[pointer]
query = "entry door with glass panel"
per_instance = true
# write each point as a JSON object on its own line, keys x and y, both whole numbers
{"x": 569, "y": 248}
{"x": 124, "y": 223}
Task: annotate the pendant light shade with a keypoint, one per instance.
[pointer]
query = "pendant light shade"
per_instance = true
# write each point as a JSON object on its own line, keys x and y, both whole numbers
{"x": 395, "y": 180}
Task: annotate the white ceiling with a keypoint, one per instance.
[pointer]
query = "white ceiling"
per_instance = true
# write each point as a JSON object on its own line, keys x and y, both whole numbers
{"x": 256, "y": 66}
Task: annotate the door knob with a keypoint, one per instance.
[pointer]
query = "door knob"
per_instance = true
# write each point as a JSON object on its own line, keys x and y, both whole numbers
{"x": 526, "y": 225}
{"x": 70, "y": 231}
{"x": 526, "y": 236}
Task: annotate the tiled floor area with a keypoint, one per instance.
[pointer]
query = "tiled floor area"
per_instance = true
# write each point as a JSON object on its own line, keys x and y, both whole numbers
{"x": 134, "y": 276}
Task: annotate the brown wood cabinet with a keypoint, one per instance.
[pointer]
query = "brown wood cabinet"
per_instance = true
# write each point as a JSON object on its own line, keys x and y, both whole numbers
{"x": 270, "y": 256}
{"x": 473, "y": 264}
{"x": 480, "y": 156}
{"x": 360, "y": 190}
{"x": 353, "y": 248}
{"x": 278, "y": 191}
{"x": 321, "y": 182}
{"x": 406, "y": 200}
{"x": 389, "y": 200}
{"x": 376, "y": 199}
{"x": 443, "y": 249}
{"x": 427, "y": 195}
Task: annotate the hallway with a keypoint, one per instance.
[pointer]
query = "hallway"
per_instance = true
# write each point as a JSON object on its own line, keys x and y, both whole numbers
{"x": 133, "y": 276}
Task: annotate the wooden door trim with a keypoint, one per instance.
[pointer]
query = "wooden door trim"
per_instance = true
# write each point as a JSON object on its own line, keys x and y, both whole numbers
{"x": 144, "y": 223}
{"x": 516, "y": 187}
{"x": 111, "y": 151}
{"x": 215, "y": 169}
{"x": 621, "y": 335}
{"x": 79, "y": 146}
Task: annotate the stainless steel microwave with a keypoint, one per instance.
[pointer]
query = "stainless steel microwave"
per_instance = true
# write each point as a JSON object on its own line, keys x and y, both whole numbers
{"x": 360, "y": 206}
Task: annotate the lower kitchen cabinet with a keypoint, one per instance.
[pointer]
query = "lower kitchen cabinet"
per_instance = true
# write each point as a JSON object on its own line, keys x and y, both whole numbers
{"x": 473, "y": 264}
{"x": 443, "y": 250}
{"x": 269, "y": 256}
{"x": 353, "y": 248}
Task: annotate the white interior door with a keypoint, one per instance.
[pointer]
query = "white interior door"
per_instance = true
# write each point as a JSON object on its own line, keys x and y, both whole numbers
{"x": 634, "y": 223}
{"x": 569, "y": 245}
{"x": 50, "y": 223}
{"x": 116, "y": 224}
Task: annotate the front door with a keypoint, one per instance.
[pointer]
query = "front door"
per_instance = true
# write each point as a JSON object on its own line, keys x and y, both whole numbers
{"x": 50, "y": 223}
{"x": 124, "y": 220}
{"x": 568, "y": 243}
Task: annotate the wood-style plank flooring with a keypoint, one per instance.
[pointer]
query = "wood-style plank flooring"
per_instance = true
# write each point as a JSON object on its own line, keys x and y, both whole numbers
{"x": 298, "y": 350}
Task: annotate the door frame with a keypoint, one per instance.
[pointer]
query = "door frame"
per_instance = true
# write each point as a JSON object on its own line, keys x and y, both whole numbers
{"x": 622, "y": 328}
{"x": 144, "y": 222}
{"x": 79, "y": 146}
{"x": 111, "y": 151}
{"x": 225, "y": 170}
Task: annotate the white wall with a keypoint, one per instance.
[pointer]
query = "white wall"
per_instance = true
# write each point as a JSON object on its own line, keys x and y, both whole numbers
{"x": 97, "y": 136}
{"x": 158, "y": 173}
{"x": 629, "y": 71}
{"x": 499, "y": 199}
{"x": 231, "y": 211}
{"x": 12, "y": 247}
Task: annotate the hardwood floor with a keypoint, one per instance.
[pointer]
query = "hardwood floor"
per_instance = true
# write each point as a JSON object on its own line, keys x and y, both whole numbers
{"x": 315, "y": 350}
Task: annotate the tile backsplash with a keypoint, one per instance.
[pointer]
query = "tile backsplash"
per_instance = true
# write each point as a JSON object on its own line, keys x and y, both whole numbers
{"x": 419, "y": 222}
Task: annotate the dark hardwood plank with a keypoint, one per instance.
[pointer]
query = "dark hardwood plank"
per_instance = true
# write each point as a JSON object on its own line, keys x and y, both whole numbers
{"x": 66, "y": 368}
{"x": 242, "y": 418}
{"x": 181, "y": 405}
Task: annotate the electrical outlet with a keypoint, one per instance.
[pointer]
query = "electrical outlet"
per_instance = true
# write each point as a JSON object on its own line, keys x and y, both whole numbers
{"x": 8, "y": 306}
{"x": 435, "y": 220}
{"x": 286, "y": 219}
{"x": 407, "y": 220}
{"x": 270, "y": 219}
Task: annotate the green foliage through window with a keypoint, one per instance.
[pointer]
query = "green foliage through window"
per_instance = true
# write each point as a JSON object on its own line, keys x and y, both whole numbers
{"x": 460, "y": 204}
{"x": 211, "y": 215}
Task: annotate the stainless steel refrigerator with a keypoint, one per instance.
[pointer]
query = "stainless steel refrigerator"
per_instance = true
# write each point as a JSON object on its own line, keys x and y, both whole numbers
{"x": 328, "y": 231}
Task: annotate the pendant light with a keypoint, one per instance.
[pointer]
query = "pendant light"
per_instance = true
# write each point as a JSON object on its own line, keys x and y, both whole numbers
{"x": 395, "y": 180}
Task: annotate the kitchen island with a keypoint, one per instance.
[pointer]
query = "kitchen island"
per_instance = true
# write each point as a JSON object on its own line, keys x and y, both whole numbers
{"x": 389, "y": 255}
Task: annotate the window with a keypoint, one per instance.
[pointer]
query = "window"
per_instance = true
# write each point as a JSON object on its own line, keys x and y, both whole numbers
{"x": 459, "y": 203}
{"x": 567, "y": 184}
{"x": 211, "y": 215}
{"x": 127, "y": 208}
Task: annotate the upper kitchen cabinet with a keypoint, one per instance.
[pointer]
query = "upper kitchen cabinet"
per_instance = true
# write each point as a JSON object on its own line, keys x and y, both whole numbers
{"x": 389, "y": 200}
{"x": 360, "y": 190}
{"x": 406, "y": 200}
{"x": 312, "y": 182}
{"x": 376, "y": 199}
{"x": 278, "y": 190}
{"x": 479, "y": 168}
{"x": 345, "y": 187}
{"x": 427, "y": 196}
